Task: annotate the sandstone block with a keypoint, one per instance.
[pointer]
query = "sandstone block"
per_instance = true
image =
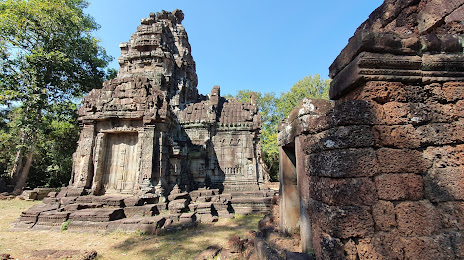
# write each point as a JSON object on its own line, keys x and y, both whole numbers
{"x": 326, "y": 246}
{"x": 145, "y": 210}
{"x": 342, "y": 221}
{"x": 350, "y": 250}
{"x": 445, "y": 156}
{"x": 349, "y": 191}
{"x": 133, "y": 201}
{"x": 445, "y": 113}
{"x": 311, "y": 124}
{"x": 401, "y": 161}
{"x": 114, "y": 201}
{"x": 398, "y": 136}
{"x": 88, "y": 226}
{"x": 52, "y": 218}
{"x": 444, "y": 184}
{"x": 383, "y": 92}
{"x": 183, "y": 195}
{"x": 457, "y": 241}
{"x": 419, "y": 218}
{"x": 343, "y": 163}
{"x": 84, "y": 199}
{"x": 97, "y": 215}
{"x": 441, "y": 133}
{"x": 452, "y": 214}
{"x": 452, "y": 91}
{"x": 67, "y": 200}
{"x": 74, "y": 207}
{"x": 303, "y": 124}
{"x": 50, "y": 200}
{"x": 400, "y": 186}
{"x": 383, "y": 213}
{"x": 354, "y": 112}
{"x": 383, "y": 245}
{"x": 433, "y": 12}
{"x": 436, "y": 247}
{"x": 340, "y": 138}
{"x": 177, "y": 205}
{"x": 207, "y": 218}
{"x": 395, "y": 113}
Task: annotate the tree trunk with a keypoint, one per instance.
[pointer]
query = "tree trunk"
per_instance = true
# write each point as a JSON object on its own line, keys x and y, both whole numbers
{"x": 17, "y": 165}
{"x": 24, "y": 173}
{"x": 18, "y": 162}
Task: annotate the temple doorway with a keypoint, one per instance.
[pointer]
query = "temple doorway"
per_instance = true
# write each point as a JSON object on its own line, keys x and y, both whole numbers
{"x": 121, "y": 163}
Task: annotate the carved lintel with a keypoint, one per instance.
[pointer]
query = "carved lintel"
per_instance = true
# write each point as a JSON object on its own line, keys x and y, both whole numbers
{"x": 399, "y": 68}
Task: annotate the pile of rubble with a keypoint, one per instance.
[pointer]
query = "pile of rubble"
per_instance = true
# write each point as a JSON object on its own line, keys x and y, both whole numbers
{"x": 149, "y": 213}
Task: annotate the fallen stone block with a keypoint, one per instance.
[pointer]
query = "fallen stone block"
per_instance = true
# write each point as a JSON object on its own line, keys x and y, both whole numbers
{"x": 133, "y": 201}
{"x": 178, "y": 196}
{"x": 97, "y": 215}
{"x": 80, "y": 206}
{"x": 264, "y": 251}
{"x": 225, "y": 214}
{"x": 52, "y": 218}
{"x": 177, "y": 206}
{"x": 209, "y": 253}
{"x": 87, "y": 226}
{"x": 206, "y": 218}
{"x": 67, "y": 200}
{"x": 28, "y": 195}
{"x": 145, "y": 210}
{"x": 30, "y": 215}
{"x": 50, "y": 200}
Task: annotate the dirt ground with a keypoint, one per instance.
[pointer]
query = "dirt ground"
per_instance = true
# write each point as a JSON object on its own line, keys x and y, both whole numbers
{"x": 184, "y": 244}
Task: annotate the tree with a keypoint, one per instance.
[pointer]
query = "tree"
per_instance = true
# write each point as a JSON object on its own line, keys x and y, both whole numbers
{"x": 273, "y": 109}
{"x": 49, "y": 57}
{"x": 309, "y": 87}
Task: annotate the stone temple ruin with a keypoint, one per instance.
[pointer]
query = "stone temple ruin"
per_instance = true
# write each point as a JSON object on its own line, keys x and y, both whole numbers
{"x": 375, "y": 174}
{"x": 150, "y": 144}
{"x": 378, "y": 173}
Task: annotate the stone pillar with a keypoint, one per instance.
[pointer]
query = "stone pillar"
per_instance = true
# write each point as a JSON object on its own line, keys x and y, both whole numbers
{"x": 83, "y": 166}
{"x": 99, "y": 163}
{"x": 308, "y": 118}
{"x": 162, "y": 167}
{"x": 289, "y": 198}
{"x": 303, "y": 194}
{"x": 147, "y": 141}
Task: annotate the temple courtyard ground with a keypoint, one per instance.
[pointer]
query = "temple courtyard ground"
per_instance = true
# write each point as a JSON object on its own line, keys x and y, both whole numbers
{"x": 185, "y": 244}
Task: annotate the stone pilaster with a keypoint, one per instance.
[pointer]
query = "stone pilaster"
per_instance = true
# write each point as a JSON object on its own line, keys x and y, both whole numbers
{"x": 83, "y": 165}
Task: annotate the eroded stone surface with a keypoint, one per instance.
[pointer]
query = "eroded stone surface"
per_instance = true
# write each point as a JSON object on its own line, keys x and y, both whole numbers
{"x": 381, "y": 177}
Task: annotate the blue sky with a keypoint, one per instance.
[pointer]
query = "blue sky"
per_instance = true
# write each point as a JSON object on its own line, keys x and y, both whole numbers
{"x": 258, "y": 45}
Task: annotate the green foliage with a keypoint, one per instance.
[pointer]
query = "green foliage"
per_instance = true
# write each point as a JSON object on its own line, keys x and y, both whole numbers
{"x": 140, "y": 232}
{"x": 309, "y": 86}
{"x": 65, "y": 225}
{"x": 273, "y": 109}
{"x": 54, "y": 146}
{"x": 49, "y": 57}
{"x": 111, "y": 73}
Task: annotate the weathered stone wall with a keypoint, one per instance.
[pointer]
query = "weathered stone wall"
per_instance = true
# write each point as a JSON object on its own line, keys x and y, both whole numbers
{"x": 383, "y": 170}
